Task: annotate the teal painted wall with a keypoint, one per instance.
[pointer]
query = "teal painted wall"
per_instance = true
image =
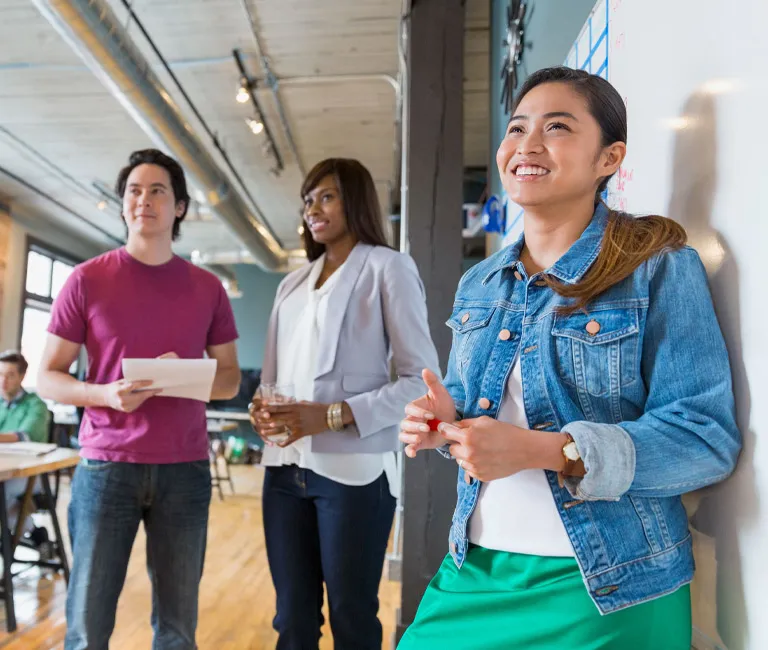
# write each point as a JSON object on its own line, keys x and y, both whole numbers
{"x": 252, "y": 311}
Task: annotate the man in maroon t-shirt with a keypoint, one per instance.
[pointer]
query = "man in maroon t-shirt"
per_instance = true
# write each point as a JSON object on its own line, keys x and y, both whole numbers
{"x": 144, "y": 456}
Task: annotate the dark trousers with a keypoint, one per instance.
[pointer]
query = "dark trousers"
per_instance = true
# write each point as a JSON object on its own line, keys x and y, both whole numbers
{"x": 318, "y": 530}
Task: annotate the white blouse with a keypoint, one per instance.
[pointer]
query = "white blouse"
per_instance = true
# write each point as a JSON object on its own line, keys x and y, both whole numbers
{"x": 518, "y": 513}
{"x": 300, "y": 317}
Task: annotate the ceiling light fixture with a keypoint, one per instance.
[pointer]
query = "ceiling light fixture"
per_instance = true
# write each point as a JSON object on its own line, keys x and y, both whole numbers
{"x": 102, "y": 205}
{"x": 243, "y": 95}
{"x": 257, "y": 123}
{"x": 256, "y": 126}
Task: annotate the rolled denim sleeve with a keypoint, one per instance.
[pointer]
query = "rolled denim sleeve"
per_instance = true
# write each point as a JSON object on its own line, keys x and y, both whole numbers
{"x": 609, "y": 458}
{"x": 687, "y": 437}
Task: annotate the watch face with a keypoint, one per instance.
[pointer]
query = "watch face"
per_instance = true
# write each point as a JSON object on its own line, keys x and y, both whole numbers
{"x": 570, "y": 451}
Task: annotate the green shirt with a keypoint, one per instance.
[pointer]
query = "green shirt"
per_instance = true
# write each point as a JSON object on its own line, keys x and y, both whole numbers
{"x": 27, "y": 414}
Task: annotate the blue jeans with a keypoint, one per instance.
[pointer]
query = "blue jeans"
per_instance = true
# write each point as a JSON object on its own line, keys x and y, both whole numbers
{"x": 318, "y": 530}
{"x": 108, "y": 502}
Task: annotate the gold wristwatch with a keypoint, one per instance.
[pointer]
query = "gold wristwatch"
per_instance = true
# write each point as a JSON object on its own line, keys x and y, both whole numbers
{"x": 572, "y": 459}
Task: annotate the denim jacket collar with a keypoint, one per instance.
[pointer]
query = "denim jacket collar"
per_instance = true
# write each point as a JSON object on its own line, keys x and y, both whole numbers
{"x": 572, "y": 266}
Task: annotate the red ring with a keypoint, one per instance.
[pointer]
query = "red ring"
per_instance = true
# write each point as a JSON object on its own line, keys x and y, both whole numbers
{"x": 433, "y": 424}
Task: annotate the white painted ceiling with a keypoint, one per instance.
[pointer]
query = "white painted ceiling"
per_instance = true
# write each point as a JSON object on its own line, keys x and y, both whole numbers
{"x": 56, "y": 116}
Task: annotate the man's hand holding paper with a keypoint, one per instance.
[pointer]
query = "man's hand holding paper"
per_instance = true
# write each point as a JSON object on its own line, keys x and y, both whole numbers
{"x": 169, "y": 376}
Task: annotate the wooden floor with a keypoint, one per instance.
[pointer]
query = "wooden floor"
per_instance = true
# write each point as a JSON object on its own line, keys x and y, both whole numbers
{"x": 237, "y": 599}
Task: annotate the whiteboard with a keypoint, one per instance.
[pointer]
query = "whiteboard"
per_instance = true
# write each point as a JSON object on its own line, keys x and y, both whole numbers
{"x": 694, "y": 76}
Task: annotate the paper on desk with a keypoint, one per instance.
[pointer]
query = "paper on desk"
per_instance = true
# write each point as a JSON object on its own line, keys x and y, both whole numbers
{"x": 187, "y": 378}
{"x": 27, "y": 448}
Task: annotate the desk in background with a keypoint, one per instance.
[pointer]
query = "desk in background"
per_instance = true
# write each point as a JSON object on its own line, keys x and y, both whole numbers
{"x": 30, "y": 467}
{"x": 241, "y": 416}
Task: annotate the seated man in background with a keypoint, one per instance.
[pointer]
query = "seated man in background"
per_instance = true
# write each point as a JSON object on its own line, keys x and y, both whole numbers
{"x": 23, "y": 417}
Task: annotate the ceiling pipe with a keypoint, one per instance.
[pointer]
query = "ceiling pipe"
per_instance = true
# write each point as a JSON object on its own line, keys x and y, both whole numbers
{"x": 92, "y": 30}
{"x": 274, "y": 83}
{"x": 399, "y": 154}
{"x": 340, "y": 78}
{"x": 295, "y": 259}
{"x": 228, "y": 279}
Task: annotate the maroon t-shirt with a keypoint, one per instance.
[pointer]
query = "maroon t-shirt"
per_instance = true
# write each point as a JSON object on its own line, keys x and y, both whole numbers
{"x": 121, "y": 308}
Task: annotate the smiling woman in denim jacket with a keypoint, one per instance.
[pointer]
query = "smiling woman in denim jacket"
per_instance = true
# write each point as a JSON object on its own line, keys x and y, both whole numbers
{"x": 588, "y": 388}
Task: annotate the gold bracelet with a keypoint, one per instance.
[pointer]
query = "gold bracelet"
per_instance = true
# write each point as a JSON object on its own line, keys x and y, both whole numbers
{"x": 335, "y": 417}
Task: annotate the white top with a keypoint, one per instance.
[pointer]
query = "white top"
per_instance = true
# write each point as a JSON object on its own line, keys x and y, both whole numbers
{"x": 517, "y": 513}
{"x": 298, "y": 334}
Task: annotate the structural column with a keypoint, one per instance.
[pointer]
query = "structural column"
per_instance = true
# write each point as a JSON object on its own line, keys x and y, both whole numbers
{"x": 432, "y": 225}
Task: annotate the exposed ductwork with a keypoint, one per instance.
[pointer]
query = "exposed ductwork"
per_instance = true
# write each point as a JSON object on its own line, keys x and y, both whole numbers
{"x": 294, "y": 259}
{"x": 228, "y": 279}
{"x": 92, "y": 30}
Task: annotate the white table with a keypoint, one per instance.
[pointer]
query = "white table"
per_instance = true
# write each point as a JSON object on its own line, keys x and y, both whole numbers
{"x": 228, "y": 415}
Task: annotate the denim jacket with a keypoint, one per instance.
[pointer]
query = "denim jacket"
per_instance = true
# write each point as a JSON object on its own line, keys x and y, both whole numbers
{"x": 645, "y": 391}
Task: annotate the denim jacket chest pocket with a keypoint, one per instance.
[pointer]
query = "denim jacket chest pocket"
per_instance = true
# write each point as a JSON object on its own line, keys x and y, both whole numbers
{"x": 597, "y": 352}
{"x": 468, "y": 324}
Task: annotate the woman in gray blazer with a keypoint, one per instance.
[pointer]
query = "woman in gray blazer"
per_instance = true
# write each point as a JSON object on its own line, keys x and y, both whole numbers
{"x": 338, "y": 329}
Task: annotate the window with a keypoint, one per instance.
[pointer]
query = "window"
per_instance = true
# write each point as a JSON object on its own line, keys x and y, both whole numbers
{"x": 39, "y": 273}
{"x": 47, "y": 271}
{"x": 61, "y": 271}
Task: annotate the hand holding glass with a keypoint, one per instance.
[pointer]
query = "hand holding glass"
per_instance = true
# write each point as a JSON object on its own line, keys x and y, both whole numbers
{"x": 277, "y": 395}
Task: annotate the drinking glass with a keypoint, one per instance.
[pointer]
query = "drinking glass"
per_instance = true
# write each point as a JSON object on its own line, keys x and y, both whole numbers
{"x": 272, "y": 394}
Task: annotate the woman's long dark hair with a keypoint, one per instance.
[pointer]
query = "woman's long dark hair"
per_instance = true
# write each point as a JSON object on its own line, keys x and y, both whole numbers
{"x": 628, "y": 241}
{"x": 358, "y": 196}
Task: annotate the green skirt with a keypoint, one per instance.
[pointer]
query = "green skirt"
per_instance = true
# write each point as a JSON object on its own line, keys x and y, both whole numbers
{"x": 506, "y": 601}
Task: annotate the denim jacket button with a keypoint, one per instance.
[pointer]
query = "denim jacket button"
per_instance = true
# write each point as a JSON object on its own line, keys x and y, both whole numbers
{"x": 541, "y": 283}
{"x": 505, "y": 335}
{"x": 593, "y": 327}
{"x": 518, "y": 275}
{"x": 484, "y": 403}
{"x": 465, "y": 318}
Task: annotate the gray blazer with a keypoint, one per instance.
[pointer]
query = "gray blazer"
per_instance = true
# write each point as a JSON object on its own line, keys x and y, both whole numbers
{"x": 377, "y": 313}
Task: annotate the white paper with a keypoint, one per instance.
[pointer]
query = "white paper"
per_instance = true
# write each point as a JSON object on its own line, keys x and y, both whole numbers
{"x": 27, "y": 448}
{"x": 187, "y": 378}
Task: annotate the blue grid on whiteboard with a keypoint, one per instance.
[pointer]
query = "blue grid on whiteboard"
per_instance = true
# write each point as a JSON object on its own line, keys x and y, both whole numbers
{"x": 590, "y": 51}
